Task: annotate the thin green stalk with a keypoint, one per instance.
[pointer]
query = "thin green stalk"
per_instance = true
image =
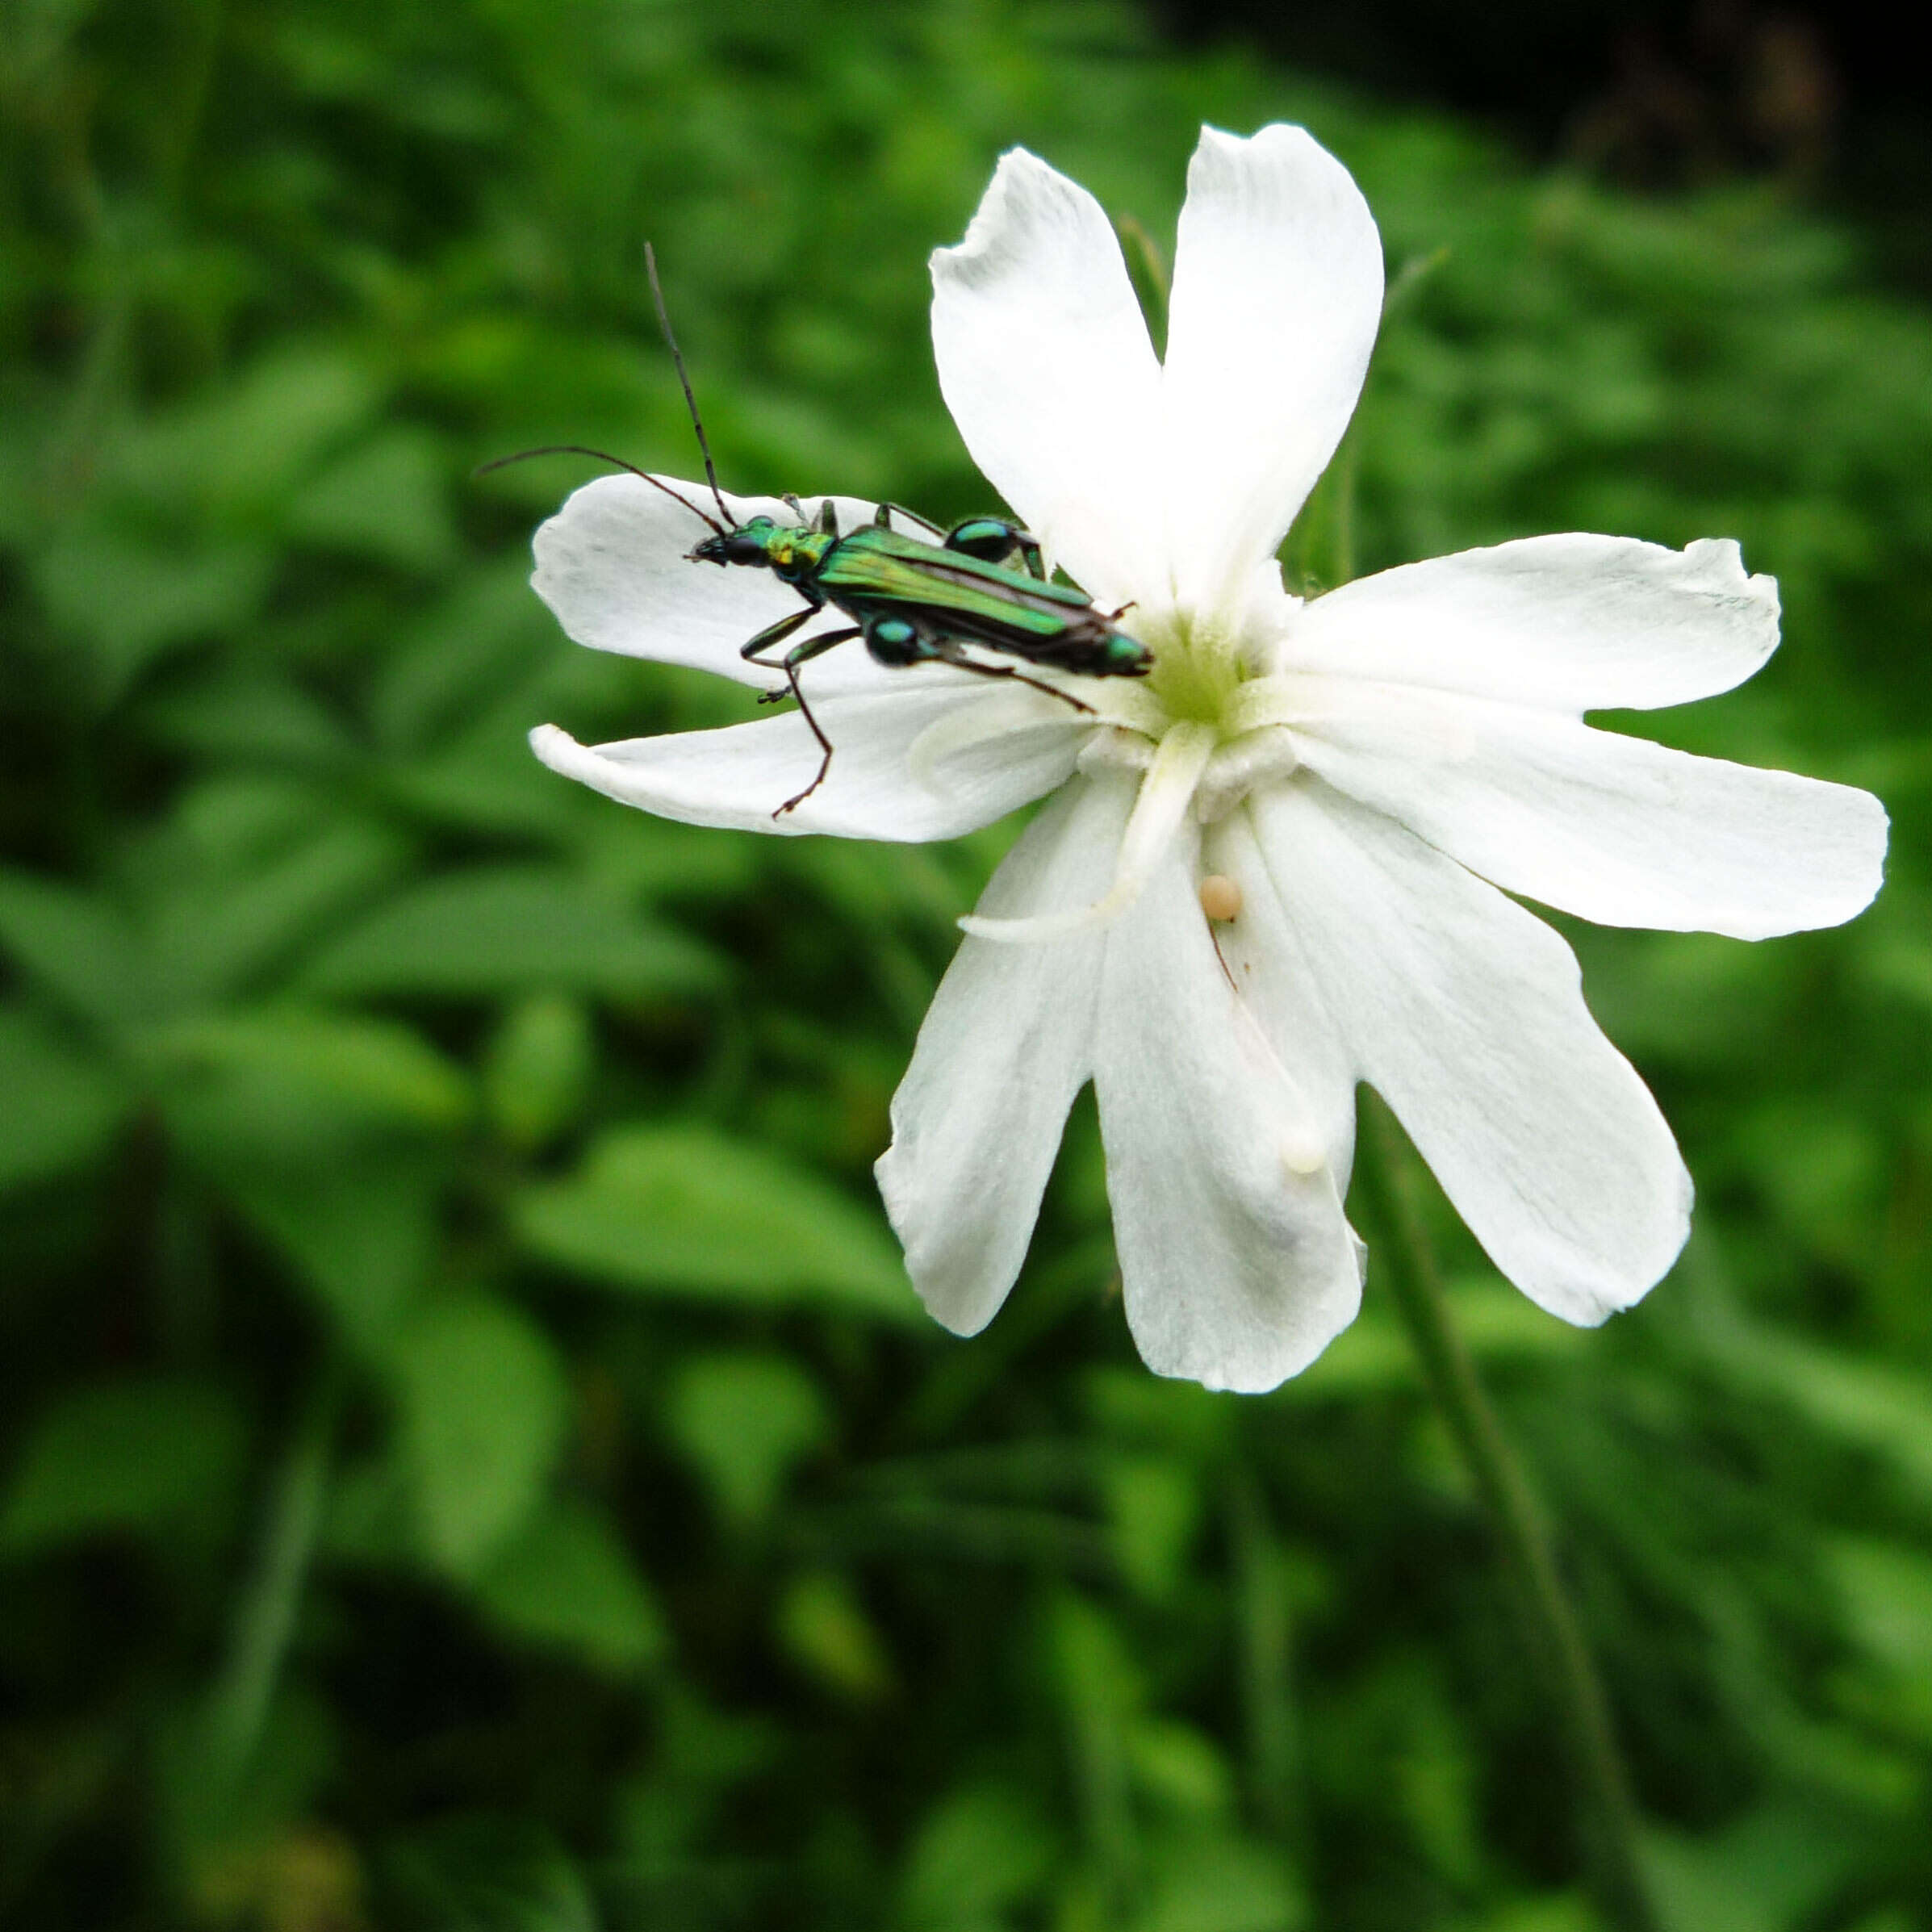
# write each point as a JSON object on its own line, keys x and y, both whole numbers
{"x": 265, "y": 1623}
{"x": 1622, "y": 1891}
{"x": 1265, "y": 1632}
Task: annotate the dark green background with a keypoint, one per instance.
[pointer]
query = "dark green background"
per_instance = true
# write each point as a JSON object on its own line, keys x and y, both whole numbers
{"x": 470, "y": 1458}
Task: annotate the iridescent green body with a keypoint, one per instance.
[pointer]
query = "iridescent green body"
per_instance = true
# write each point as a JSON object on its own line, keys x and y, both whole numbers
{"x": 916, "y": 601}
{"x": 926, "y": 598}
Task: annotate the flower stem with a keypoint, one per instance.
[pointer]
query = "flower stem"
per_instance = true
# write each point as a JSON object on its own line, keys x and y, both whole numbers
{"x": 1622, "y": 1892}
{"x": 238, "y": 1707}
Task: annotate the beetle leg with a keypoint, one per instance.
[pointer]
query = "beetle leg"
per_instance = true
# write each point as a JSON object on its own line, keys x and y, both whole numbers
{"x": 893, "y": 640}
{"x": 994, "y": 540}
{"x": 803, "y": 653}
{"x": 886, "y": 511}
{"x": 774, "y": 633}
{"x": 948, "y": 651}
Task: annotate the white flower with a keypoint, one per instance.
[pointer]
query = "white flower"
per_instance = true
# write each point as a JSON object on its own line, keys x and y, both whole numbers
{"x": 1361, "y": 780}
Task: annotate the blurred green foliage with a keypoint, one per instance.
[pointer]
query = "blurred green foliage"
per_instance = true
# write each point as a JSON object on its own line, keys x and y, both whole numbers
{"x": 470, "y": 1459}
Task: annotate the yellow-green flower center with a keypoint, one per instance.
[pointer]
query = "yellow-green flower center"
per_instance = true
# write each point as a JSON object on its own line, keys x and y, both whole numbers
{"x": 1199, "y": 666}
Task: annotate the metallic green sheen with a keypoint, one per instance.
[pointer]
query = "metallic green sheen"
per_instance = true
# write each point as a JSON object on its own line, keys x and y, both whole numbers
{"x": 874, "y": 566}
{"x": 939, "y": 595}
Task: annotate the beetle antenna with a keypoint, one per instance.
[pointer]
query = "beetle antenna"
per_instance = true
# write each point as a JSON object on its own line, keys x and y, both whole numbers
{"x": 617, "y": 462}
{"x": 670, "y": 342}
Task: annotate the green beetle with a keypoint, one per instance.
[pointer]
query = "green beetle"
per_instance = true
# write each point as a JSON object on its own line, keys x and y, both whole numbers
{"x": 918, "y": 601}
{"x": 913, "y": 598}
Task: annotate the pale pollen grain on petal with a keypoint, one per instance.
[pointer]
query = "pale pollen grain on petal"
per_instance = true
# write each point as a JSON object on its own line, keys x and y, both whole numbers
{"x": 1302, "y": 1157}
{"x": 1220, "y": 897}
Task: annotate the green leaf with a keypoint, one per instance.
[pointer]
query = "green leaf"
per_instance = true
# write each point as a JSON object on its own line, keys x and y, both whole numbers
{"x": 249, "y": 717}
{"x": 387, "y": 499}
{"x": 1180, "y": 1768}
{"x": 980, "y": 1850}
{"x": 375, "y": 1071}
{"x": 234, "y": 924}
{"x": 1558, "y": 1912}
{"x": 685, "y": 1211}
{"x": 1498, "y": 1325}
{"x": 236, "y": 452}
{"x": 78, "y": 945}
{"x": 1869, "y": 1405}
{"x": 538, "y": 1069}
{"x": 487, "y": 782}
{"x": 1153, "y": 1508}
{"x": 507, "y": 928}
{"x": 491, "y": 1874}
{"x": 827, "y": 1631}
{"x": 129, "y": 598}
{"x": 326, "y": 1131}
{"x": 459, "y": 656}
{"x": 1886, "y": 1592}
{"x": 482, "y": 1400}
{"x": 137, "y": 1455}
{"x": 1220, "y": 1883}
{"x": 745, "y": 1420}
{"x": 1771, "y": 1871}
{"x": 359, "y": 1225}
{"x": 565, "y": 1580}
{"x": 61, "y": 1107}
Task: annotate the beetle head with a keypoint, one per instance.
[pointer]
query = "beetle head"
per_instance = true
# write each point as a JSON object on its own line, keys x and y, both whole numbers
{"x": 749, "y": 543}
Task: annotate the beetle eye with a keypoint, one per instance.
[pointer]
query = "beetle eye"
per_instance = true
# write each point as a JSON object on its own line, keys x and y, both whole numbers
{"x": 730, "y": 546}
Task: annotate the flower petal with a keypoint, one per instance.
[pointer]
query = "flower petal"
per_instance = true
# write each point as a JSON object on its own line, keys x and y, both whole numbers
{"x": 1005, "y": 1047}
{"x": 1045, "y": 363}
{"x": 1264, "y": 958}
{"x": 1466, "y": 1014}
{"x": 1572, "y": 623}
{"x": 614, "y": 565}
{"x": 739, "y": 776}
{"x": 1167, "y": 790}
{"x": 1277, "y": 296}
{"x": 1237, "y": 1266}
{"x": 1614, "y": 829}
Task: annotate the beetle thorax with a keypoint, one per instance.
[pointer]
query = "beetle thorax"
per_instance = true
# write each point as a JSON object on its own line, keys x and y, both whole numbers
{"x": 795, "y": 553}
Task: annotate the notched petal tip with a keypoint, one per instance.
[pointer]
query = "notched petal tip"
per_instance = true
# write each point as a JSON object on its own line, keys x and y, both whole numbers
{"x": 1018, "y": 170}
{"x": 1717, "y": 570}
{"x": 1571, "y": 622}
{"x": 1289, "y": 147}
{"x": 1277, "y": 297}
{"x": 1044, "y": 361}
